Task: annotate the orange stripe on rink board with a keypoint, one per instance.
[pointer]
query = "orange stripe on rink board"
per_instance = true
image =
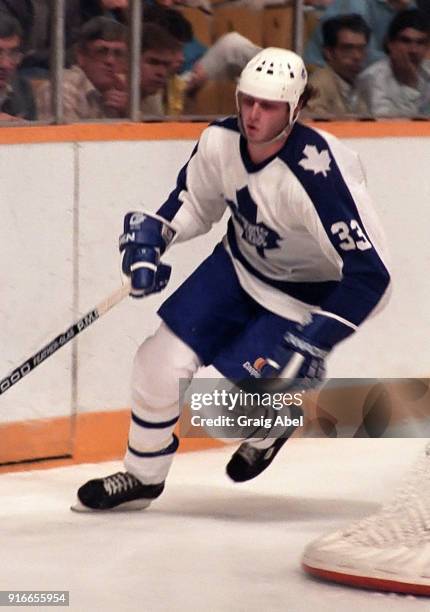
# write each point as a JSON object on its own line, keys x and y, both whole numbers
{"x": 98, "y": 132}
{"x": 91, "y": 132}
{"x": 98, "y": 436}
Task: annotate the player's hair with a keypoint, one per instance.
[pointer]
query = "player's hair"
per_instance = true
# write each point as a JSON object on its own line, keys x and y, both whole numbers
{"x": 9, "y": 26}
{"x": 157, "y": 38}
{"x": 352, "y": 21}
{"x": 411, "y": 18}
{"x": 101, "y": 28}
{"x": 309, "y": 93}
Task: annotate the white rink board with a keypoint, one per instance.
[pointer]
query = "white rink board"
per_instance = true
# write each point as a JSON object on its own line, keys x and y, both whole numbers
{"x": 116, "y": 177}
{"x": 36, "y": 274}
{"x": 395, "y": 343}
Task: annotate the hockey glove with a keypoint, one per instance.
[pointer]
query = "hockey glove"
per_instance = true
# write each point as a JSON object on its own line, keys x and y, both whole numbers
{"x": 144, "y": 240}
{"x": 302, "y": 352}
{"x": 295, "y": 358}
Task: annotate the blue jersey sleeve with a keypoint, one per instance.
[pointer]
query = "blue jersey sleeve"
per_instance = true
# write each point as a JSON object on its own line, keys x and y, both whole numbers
{"x": 347, "y": 227}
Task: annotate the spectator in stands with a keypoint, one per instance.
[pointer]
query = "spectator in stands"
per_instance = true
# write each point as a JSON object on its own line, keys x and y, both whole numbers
{"x": 181, "y": 29}
{"x": 377, "y": 14}
{"x": 176, "y": 24}
{"x": 35, "y": 17}
{"x": 16, "y": 96}
{"x": 399, "y": 85}
{"x": 159, "y": 54}
{"x": 115, "y": 9}
{"x": 345, "y": 42}
{"x": 224, "y": 60}
{"x": 95, "y": 87}
{"x": 193, "y": 49}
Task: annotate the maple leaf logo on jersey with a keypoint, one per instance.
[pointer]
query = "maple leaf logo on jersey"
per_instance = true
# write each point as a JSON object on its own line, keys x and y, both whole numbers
{"x": 315, "y": 161}
{"x": 255, "y": 233}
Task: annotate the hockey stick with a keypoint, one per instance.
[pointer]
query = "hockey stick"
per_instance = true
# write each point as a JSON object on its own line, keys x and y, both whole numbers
{"x": 59, "y": 341}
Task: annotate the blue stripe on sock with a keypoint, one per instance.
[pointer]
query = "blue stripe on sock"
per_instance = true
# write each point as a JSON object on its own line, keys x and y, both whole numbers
{"x": 169, "y": 450}
{"x": 151, "y": 425}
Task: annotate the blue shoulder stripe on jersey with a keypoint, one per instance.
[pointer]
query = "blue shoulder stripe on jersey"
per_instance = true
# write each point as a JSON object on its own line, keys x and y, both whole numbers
{"x": 171, "y": 206}
{"x": 311, "y": 293}
{"x": 229, "y": 123}
{"x": 169, "y": 450}
{"x": 365, "y": 278}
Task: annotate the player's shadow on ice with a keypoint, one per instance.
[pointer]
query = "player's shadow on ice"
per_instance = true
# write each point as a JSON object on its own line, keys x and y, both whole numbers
{"x": 204, "y": 502}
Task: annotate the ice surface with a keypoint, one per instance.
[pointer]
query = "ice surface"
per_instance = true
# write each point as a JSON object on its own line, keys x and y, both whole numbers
{"x": 207, "y": 544}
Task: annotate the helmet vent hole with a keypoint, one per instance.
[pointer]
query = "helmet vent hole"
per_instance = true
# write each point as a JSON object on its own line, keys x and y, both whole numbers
{"x": 274, "y": 74}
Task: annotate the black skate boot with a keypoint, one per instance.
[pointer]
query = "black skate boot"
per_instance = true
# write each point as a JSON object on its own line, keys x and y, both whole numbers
{"x": 248, "y": 461}
{"x": 121, "y": 491}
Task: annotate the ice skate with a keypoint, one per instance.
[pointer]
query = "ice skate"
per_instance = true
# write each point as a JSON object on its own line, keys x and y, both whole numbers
{"x": 120, "y": 491}
{"x": 248, "y": 461}
{"x": 386, "y": 551}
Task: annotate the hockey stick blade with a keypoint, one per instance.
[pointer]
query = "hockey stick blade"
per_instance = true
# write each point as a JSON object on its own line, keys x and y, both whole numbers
{"x": 62, "y": 339}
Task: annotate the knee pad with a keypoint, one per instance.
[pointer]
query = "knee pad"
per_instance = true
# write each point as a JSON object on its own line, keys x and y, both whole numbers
{"x": 159, "y": 363}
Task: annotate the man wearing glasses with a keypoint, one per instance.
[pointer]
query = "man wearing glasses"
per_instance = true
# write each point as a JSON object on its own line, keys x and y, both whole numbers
{"x": 95, "y": 87}
{"x": 16, "y": 97}
{"x": 399, "y": 85}
{"x": 345, "y": 45}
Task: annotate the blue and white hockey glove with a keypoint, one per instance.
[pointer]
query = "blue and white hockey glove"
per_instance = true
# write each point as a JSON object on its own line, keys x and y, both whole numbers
{"x": 295, "y": 358}
{"x": 302, "y": 352}
{"x": 144, "y": 240}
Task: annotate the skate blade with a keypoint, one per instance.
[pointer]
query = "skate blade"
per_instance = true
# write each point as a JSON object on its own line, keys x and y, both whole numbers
{"x": 137, "y": 504}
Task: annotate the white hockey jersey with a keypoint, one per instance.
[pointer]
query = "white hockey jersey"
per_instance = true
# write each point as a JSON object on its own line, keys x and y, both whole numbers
{"x": 303, "y": 235}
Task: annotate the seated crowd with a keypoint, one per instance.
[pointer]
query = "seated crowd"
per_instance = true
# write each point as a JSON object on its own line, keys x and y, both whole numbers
{"x": 367, "y": 59}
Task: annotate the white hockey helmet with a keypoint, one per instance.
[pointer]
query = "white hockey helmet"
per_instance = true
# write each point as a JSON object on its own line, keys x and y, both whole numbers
{"x": 274, "y": 74}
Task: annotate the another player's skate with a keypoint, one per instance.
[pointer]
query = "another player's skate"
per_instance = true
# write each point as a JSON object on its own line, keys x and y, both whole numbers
{"x": 120, "y": 491}
{"x": 387, "y": 551}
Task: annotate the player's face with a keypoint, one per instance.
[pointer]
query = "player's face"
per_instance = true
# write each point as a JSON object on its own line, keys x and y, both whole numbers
{"x": 262, "y": 119}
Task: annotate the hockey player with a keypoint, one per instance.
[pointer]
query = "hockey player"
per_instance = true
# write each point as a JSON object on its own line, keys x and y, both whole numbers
{"x": 299, "y": 269}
